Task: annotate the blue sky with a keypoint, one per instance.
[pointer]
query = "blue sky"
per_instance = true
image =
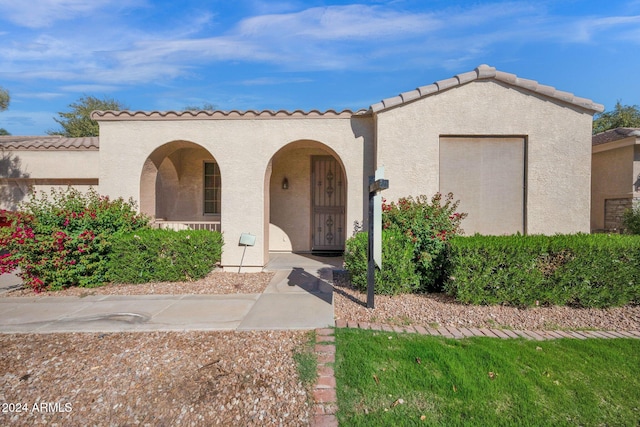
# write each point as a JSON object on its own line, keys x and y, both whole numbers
{"x": 260, "y": 54}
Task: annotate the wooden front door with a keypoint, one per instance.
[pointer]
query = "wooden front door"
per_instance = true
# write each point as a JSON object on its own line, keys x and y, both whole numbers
{"x": 328, "y": 196}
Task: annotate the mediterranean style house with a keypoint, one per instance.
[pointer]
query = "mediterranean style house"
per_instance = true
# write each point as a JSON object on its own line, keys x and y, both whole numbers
{"x": 516, "y": 153}
{"x": 615, "y": 177}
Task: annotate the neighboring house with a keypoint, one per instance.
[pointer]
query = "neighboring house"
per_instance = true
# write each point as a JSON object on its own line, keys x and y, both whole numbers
{"x": 516, "y": 153}
{"x": 615, "y": 177}
{"x": 29, "y": 163}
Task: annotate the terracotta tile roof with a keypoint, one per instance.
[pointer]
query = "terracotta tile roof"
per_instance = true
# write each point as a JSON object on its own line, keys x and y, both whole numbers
{"x": 50, "y": 142}
{"x": 614, "y": 135}
{"x": 233, "y": 114}
{"x": 485, "y": 72}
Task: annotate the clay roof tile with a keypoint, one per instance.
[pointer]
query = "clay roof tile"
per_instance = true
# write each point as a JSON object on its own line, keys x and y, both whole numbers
{"x": 49, "y": 142}
{"x": 486, "y": 72}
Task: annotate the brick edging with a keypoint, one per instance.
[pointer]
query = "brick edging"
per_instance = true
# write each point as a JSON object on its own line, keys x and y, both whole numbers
{"x": 324, "y": 391}
{"x": 453, "y": 332}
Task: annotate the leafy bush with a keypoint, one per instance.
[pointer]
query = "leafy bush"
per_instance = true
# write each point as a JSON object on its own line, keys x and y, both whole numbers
{"x": 154, "y": 255}
{"x": 429, "y": 225}
{"x": 577, "y": 270}
{"x": 631, "y": 220}
{"x": 62, "y": 240}
{"x": 415, "y": 243}
{"x": 398, "y": 273}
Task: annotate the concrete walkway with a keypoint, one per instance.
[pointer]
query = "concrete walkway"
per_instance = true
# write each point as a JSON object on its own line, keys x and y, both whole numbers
{"x": 9, "y": 282}
{"x": 299, "y": 296}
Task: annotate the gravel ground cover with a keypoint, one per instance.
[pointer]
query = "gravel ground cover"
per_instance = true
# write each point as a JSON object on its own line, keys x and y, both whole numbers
{"x": 441, "y": 310}
{"x": 216, "y": 282}
{"x": 158, "y": 378}
{"x": 153, "y": 379}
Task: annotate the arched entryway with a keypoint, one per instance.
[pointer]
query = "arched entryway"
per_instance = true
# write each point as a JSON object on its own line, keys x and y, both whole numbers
{"x": 181, "y": 186}
{"x": 307, "y": 199}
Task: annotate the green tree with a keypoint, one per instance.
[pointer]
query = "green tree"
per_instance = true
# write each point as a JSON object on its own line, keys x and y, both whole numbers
{"x": 4, "y": 99}
{"x": 4, "y": 104}
{"x": 207, "y": 106}
{"x": 77, "y": 122}
{"x": 622, "y": 116}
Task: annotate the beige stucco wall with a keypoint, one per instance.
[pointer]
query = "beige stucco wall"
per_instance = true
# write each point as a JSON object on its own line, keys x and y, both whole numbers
{"x": 58, "y": 164}
{"x": 613, "y": 175}
{"x": 41, "y": 170}
{"x": 243, "y": 149}
{"x": 558, "y": 147}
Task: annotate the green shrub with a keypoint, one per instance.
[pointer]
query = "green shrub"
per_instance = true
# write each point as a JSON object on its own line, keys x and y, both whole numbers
{"x": 631, "y": 220}
{"x": 154, "y": 255}
{"x": 429, "y": 225}
{"x": 62, "y": 239}
{"x": 577, "y": 270}
{"x": 398, "y": 273}
{"x": 415, "y": 237}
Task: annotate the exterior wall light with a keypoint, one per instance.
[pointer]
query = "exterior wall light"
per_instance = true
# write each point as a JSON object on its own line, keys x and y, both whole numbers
{"x": 285, "y": 183}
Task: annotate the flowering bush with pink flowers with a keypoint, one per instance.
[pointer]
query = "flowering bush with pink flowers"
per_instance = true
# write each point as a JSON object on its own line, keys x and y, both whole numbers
{"x": 62, "y": 239}
{"x": 422, "y": 225}
{"x": 428, "y": 224}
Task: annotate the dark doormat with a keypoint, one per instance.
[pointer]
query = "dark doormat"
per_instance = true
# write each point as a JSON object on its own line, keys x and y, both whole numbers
{"x": 327, "y": 253}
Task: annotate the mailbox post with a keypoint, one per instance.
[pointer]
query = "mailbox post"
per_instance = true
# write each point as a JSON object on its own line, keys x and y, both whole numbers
{"x": 246, "y": 239}
{"x": 376, "y": 184}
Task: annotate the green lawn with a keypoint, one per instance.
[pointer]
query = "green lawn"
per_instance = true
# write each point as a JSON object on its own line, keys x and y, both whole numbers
{"x": 390, "y": 379}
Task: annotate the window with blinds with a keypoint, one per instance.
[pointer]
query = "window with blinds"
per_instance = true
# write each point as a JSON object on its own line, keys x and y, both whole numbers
{"x": 212, "y": 188}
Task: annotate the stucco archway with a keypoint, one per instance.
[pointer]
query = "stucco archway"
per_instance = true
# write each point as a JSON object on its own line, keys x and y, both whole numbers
{"x": 181, "y": 184}
{"x": 305, "y": 199}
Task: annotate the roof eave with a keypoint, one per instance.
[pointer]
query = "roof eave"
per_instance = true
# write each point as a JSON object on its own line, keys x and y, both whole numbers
{"x": 111, "y": 115}
{"x": 615, "y": 138}
{"x": 485, "y": 72}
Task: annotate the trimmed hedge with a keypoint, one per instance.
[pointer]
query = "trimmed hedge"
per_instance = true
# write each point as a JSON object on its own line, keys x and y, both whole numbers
{"x": 577, "y": 270}
{"x": 155, "y": 255}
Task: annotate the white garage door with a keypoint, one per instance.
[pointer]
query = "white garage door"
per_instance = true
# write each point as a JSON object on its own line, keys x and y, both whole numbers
{"x": 487, "y": 175}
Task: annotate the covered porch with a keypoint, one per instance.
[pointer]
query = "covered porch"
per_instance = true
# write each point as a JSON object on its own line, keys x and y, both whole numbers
{"x": 180, "y": 188}
{"x": 307, "y": 197}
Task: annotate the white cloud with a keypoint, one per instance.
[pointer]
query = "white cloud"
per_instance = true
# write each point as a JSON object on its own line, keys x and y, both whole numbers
{"x": 588, "y": 29}
{"x": 45, "y": 96}
{"x": 43, "y": 13}
{"x": 41, "y": 48}
{"x": 356, "y": 36}
{"x": 90, "y": 88}
{"x": 340, "y": 23}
